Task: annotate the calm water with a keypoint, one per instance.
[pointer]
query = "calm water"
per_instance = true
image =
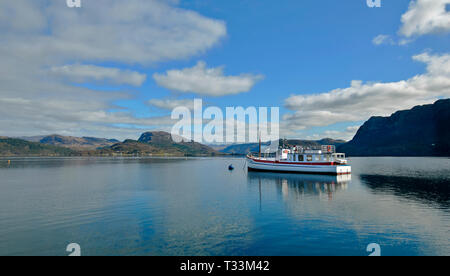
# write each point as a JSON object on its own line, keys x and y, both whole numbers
{"x": 198, "y": 207}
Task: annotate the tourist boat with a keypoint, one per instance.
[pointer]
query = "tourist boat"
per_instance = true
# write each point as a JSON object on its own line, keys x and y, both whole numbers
{"x": 297, "y": 159}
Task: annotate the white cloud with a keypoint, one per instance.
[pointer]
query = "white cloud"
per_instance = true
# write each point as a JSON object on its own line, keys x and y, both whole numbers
{"x": 206, "y": 81}
{"x": 170, "y": 104}
{"x": 383, "y": 39}
{"x": 403, "y": 41}
{"x": 389, "y": 40}
{"x": 361, "y": 101}
{"x": 21, "y": 16}
{"x": 347, "y": 134}
{"x": 436, "y": 65}
{"x": 87, "y": 73}
{"x": 422, "y": 17}
{"x": 41, "y": 38}
{"x": 425, "y": 17}
{"x": 132, "y": 31}
{"x": 63, "y": 116}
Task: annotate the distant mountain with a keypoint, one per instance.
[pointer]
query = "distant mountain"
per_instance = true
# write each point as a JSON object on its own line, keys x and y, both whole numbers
{"x": 314, "y": 143}
{"x": 159, "y": 142}
{"x": 150, "y": 143}
{"x": 18, "y": 147}
{"x": 72, "y": 142}
{"x": 421, "y": 131}
{"x": 241, "y": 149}
{"x": 131, "y": 147}
{"x": 36, "y": 139}
{"x": 163, "y": 141}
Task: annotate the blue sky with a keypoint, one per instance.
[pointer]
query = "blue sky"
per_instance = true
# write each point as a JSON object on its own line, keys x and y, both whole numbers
{"x": 304, "y": 47}
{"x": 291, "y": 54}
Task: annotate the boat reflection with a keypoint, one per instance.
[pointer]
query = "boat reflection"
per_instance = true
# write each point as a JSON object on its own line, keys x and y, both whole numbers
{"x": 299, "y": 184}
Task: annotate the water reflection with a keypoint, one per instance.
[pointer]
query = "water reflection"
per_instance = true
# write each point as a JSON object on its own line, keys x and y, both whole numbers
{"x": 299, "y": 184}
{"x": 425, "y": 189}
{"x": 61, "y": 162}
{"x": 118, "y": 206}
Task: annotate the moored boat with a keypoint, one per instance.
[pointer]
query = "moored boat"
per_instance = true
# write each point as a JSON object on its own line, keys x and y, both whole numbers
{"x": 300, "y": 160}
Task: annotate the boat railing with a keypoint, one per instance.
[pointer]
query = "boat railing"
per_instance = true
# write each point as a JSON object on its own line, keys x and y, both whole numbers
{"x": 325, "y": 149}
{"x": 313, "y": 150}
{"x": 263, "y": 155}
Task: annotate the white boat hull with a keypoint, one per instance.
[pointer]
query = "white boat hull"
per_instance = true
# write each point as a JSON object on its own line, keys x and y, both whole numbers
{"x": 273, "y": 166}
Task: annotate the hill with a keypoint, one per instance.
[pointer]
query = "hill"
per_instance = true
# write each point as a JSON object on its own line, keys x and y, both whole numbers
{"x": 18, "y": 147}
{"x": 163, "y": 141}
{"x": 422, "y": 131}
{"x": 150, "y": 143}
{"x": 78, "y": 143}
{"x": 159, "y": 143}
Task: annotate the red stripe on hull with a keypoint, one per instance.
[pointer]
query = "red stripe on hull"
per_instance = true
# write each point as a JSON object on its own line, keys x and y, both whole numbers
{"x": 297, "y": 172}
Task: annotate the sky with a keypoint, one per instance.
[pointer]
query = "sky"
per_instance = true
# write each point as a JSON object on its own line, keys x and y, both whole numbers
{"x": 115, "y": 69}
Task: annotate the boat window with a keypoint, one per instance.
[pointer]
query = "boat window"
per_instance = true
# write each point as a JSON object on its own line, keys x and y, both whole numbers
{"x": 317, "y": 157}
{"x": 309, "y": 157}
{"x": 301, "y": 158}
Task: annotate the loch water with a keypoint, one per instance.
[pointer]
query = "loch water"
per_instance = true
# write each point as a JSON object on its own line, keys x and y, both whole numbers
{"x": 196, "y": 206}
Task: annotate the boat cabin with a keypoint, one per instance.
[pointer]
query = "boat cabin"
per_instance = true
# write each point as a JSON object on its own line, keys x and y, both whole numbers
{"x": 326, "y": 154}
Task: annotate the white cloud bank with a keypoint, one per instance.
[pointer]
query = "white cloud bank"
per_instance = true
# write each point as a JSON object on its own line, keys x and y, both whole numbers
{"x": 88, "y": 73}
{"x": 170, "y": 104}
{"x": 206, "y": 81}
{"x": 41, "y": 38}
{"x": 132, "y": 31}
{"x": 425, "y": 17}
{"x": 361, "y": 101}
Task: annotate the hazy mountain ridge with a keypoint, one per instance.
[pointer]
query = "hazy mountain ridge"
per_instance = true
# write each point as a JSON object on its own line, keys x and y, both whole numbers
{"x": 150, "y": 143}
{"x": 421, "y": 131}
{"x": 18, "y": 147}
{"x": 241, "y": 149}
{"x": 72, "y": 142}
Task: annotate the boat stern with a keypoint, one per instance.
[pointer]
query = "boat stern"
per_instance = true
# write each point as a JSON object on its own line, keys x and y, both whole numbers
{"x": 343, "y": 169}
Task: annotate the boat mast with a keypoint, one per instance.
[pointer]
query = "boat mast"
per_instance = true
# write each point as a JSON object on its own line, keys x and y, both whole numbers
{"x": 259, "y": 144}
